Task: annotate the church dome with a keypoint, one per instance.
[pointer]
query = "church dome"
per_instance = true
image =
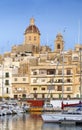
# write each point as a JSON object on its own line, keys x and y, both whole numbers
{"x": 32, "y": 28}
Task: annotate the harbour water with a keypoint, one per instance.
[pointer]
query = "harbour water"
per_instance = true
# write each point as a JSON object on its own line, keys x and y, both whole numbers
{"x": 31, "y": 122}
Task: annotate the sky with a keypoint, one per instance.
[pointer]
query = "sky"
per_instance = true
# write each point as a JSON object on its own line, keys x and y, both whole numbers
{"x": 51, "y": 17}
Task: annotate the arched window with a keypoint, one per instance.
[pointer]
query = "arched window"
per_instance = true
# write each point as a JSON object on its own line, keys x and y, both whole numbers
{"x": 68, "y": 96}
{"x": 24, "y": 95}
{"x": 58, "y": 46}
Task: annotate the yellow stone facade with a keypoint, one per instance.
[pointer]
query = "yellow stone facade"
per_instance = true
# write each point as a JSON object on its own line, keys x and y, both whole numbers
{"x": 43, "y": 73}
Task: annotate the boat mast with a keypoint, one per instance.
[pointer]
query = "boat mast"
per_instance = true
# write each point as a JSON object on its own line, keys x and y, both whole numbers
{"x": 63, "y": 75}
{"x": 80, "y": 60}
{"x": 62, "y": 78}
{"x": 80, "y": 72}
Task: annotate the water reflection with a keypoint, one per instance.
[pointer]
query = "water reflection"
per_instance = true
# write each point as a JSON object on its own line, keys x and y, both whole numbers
{"x": 52, "y": 126}
{"x": 30, "y": 122}
{"x": 21, "y": 122}
{"x": 12, "y": 122}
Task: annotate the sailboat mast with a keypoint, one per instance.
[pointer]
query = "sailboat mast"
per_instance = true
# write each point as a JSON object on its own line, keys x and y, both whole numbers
{"x": 80, "y": 72}
{"x": 62, "y": 78}
{"x": 80, "y": 60}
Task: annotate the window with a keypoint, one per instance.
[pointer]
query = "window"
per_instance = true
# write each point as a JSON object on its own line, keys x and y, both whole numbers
{"x": 51, "y": 71}
{"x": 15, "y": 79}
{"x": 43, "y": 96}
{"x": 24, "y": 95}
{"x": 77, "y": 96}
{"x": 6, "y": 82}
{"x": 42, "y": 80}
{"x": 59, "y": 80}
{"x": 42, "y": 88}
{"x": 34, "y": 73}
{"x": 68, "y": 96}
{"x": 24, "y": 79}
{"x": 34, "y": 89}
{"x": 59, "y": 72}
{"x": 58, "y": 46}
{"x": 7, "y": 90}
{"x": 15, "y": 96}
{"x": 6, "y": 74}
{"x": 68, "y": 80}
{"x": 34, "y": 81}
{"x": 75, "y": 58}
{"x": 42, "y": 72}
{"x": 51, "y": 80}
{"x": 68, "y": 88}
{"x": 34, "y": 38}
{"x": 68, "y": 72}
{"x": 59, "y": 88}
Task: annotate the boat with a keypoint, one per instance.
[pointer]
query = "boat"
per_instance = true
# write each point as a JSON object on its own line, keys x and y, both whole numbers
{"x": 36, "y": 105}
{"x": 62, "y": 117}
{"x": 48, "y": 107}
{"x": 72, "y": 106}
{"x": 10, "y": 108}
{"x": 71, "y": 116}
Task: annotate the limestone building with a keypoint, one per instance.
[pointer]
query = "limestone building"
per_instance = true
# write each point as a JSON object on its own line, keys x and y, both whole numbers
{"x": 39, "y": 72}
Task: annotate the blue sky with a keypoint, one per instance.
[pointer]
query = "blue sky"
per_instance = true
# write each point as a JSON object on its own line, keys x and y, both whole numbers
{"x": 51, "y": 17}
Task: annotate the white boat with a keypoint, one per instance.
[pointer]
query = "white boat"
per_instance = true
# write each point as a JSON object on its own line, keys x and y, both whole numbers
{"x": 62, "y": 117}
{"x": 7, "y": 108}
{"x": 48, "y": 107}
{"x": 17, "y": 109}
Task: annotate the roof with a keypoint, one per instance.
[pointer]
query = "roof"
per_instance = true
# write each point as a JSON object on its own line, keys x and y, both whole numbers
{"x": 32, "y": 28}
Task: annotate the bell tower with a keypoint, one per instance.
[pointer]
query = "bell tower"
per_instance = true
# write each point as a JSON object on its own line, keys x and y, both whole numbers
{"x": 59, "y": 43}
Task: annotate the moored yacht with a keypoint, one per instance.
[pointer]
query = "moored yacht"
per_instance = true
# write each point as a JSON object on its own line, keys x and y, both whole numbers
{"x": 62, "y": 117}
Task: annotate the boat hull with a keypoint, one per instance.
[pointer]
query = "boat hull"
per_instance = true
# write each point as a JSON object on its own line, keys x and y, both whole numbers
{"x": 62, "y": 118}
